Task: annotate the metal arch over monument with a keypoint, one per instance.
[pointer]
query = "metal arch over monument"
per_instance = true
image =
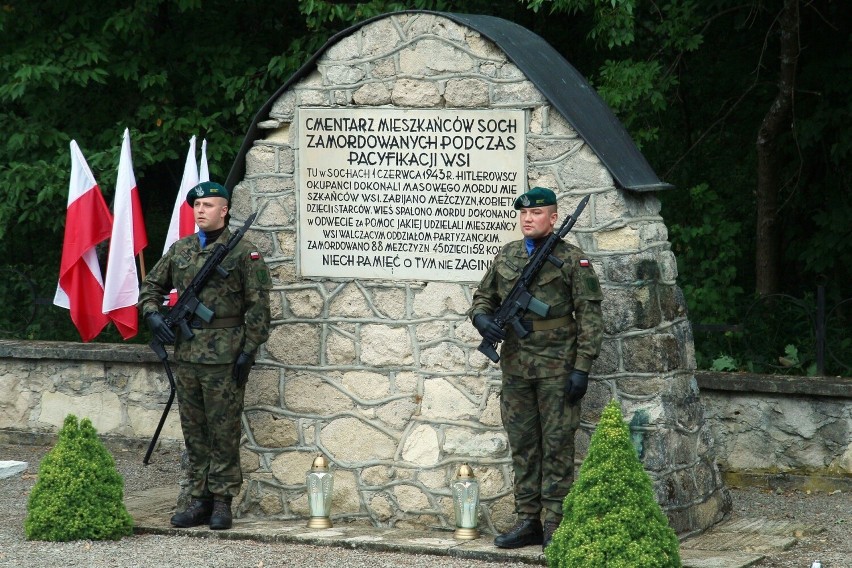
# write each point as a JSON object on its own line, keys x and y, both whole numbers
{"x": 411, "y": 130}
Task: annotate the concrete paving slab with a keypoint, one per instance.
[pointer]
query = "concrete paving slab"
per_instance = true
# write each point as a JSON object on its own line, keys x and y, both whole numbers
{"x": 747, "y": 542}
{"x": 769, "y": 527}
{"x": 717, "y": 559}
{"x": 737, "y": 544}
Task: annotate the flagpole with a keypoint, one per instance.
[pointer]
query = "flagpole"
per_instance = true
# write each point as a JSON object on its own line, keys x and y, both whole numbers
{"x": 141, "y": 265}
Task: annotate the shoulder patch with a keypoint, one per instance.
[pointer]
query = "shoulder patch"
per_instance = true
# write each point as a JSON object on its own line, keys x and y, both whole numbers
{"x": 254, "y": 255}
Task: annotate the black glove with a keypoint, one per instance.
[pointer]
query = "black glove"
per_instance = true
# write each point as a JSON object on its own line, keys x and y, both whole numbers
{"x": 575, "y": 386}
{"x": 162, "y": 332}
{"x": 490, "y": 331}
{"x": 242, "y": 366}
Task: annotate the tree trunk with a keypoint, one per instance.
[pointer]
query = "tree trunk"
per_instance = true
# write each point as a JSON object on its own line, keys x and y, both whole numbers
{"x": 776, "y": 122}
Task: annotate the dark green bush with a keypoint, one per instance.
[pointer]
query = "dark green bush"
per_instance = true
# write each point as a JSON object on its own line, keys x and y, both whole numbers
{"x": 79, "y": 494}
{"x": 611, "y": 517}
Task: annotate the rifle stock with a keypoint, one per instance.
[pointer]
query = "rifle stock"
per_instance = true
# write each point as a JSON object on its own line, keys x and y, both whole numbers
{"x": 520, "y": 300}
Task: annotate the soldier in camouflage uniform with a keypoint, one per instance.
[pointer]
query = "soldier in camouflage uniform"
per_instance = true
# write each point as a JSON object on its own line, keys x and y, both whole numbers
{"x": 214, "y": 365}
{"x": 546, "y": 373}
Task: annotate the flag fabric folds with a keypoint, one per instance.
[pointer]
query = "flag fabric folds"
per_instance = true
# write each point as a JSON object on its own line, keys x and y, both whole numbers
{"x": 203, "y": 170}
{"x": 121, "y": 290}
{"x": 182, "y": 223}
{"x": 87, "y": 223}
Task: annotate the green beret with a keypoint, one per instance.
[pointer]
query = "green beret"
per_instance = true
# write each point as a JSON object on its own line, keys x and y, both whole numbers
{"x": 207, "y": 189}
{"x": 536, "y": 197}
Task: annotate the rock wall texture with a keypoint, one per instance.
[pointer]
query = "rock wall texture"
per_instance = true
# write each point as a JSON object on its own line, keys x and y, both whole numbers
{"x": 383, "y": 377}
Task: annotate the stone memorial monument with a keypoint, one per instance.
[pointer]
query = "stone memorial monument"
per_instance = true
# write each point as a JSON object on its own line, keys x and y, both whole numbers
{"x": 384, "y": 173}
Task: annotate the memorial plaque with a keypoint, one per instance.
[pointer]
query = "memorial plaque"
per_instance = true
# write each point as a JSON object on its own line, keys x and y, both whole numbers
{"x": 407, "y": 194}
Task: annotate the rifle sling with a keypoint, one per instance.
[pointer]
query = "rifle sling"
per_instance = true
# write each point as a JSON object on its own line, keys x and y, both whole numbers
{"x": 217, "y": 323}
{"x": 546, "y": 325}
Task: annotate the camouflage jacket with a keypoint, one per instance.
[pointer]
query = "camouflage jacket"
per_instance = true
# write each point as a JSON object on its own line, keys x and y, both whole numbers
{"x": 572, "y": 291}
{"x": 244, "y": 293}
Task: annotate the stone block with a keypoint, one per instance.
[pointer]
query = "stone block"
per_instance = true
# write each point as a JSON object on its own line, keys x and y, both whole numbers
{"x": 466, "y": 92}
{"x": 441, "y": 399}
{"x": 383, "y": 345}
{"x": 313, "y": 394}
{"x": 421, "y": 447}
{"x": 651, "y": 353}
{"x": 294, "y": 344}
{"x": 410, "y": 498}
{"x": 430, "y": 57}
{"x": 279, "y": 211}
{"x": 344, "y": 74}
{"x": 548, "y": 150}
{"x": 345, "y": 49}
{"x": 366, "y": 385}
{"x": 284, "y": 107}
{"x": 397, "y": 413}
{"x": 522, "y": 93}
{"x": 440, "y": 298}
{"x": 349, "y": 302}
{"x": 445, "y": 356}
{"x": 414, "y": 93}
{"x": 372, "y": 94}
{"x": 270, "y": 430}
{"x": 351, "y": 440}
{"x": 468, "y": 442}
{"x": 260, "y": 160}
{"x": 621, "y": 239}
{"x": 11, "y": 468}
{"x": 104, "y": 409}
{"x": 389, "y": 302}
{"x": 379, "y": 37}
{"x": 305, "y": 303}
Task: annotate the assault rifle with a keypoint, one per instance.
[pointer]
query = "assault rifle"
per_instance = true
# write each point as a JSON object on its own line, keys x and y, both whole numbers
{"x": 187, "y": 308}
{"x": 519, "y": 300}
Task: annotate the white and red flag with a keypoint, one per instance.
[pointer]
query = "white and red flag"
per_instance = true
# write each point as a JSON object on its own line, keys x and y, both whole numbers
{"x": 203, "y": 170}
{"x": 87, "y": 223}
{"x": 182, "y": 223}
{"x": 121, "y": 290}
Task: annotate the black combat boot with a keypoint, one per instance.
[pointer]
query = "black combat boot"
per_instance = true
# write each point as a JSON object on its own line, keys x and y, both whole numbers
{"x": 221, "y": 517}
{"x": 549, "y": 528}
{"x": 197, "y": 513}
{"x": 524, "y": 533}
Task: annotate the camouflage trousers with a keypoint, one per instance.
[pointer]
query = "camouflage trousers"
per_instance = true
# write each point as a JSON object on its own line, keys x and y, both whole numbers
{"x": 211, "y": 405}
{"x": 540, "y": 427}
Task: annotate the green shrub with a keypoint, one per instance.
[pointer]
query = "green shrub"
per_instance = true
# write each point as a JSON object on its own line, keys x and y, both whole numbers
{"x": 79, "y": 495}
{"x": 611, "y": 517}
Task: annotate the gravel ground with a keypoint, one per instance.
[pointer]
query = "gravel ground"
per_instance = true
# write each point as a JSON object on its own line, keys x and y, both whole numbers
{"x": 831, "y": 511}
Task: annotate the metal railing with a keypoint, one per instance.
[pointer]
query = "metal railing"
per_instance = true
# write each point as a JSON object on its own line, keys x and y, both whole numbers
{"x": 819, "y": 333}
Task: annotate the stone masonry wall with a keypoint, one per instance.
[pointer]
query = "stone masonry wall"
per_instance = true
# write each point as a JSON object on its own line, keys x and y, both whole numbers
{"x": 383, "y": 376}
{"x": 801, "y": 434}
{"x": 122, "y": 389}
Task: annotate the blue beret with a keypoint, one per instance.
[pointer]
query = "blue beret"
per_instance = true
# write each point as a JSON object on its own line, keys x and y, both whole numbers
{"x": 207, "y": 189}
{"x": 536, "y": 197}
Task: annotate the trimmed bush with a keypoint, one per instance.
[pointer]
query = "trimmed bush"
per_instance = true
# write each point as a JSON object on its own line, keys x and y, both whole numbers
{"x": 79, "y": 495}
{"x": 611, "y": 518}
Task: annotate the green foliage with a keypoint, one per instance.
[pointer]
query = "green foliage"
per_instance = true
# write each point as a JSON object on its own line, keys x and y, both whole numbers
{"x": 79, "y": 493}
{"x": 724, "y": 363}
{"x": 707, "y": 251}
{"x": 610, "y": 515}
{"x": 791, "y": 359}
{"x": 690, "y": 80}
